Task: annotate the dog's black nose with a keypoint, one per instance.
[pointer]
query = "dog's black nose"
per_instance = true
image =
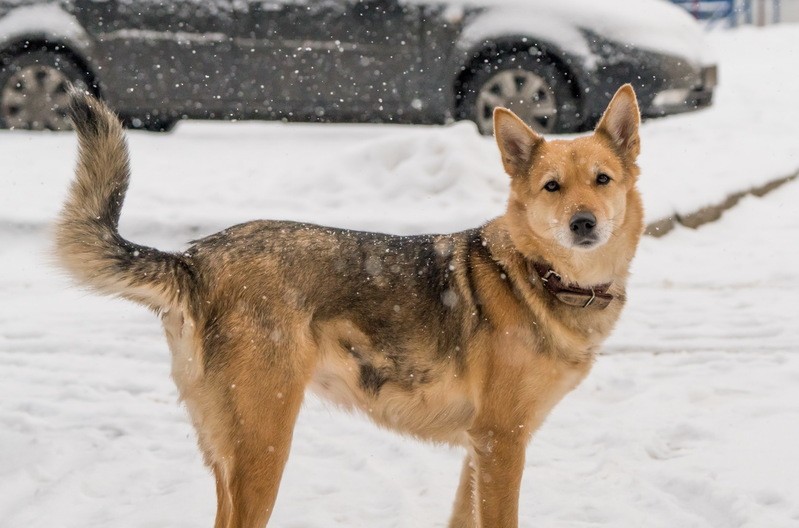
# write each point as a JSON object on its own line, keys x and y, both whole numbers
{"x": 583, "y": 223}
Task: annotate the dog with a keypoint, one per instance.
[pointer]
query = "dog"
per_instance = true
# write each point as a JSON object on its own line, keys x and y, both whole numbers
{"x": 468, "y": 339}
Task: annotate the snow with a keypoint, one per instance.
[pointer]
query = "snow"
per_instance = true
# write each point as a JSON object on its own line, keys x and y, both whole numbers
{"x": 49, "y": 20}
{"x": 181, "y": 37}
{"x": 689, "y": 418}
{"x": 503, "y": 20}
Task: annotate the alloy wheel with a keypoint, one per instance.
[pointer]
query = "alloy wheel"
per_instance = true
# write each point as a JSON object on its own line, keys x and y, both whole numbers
{"x": 525, "y": 93}
{"x": 36, "y": 98}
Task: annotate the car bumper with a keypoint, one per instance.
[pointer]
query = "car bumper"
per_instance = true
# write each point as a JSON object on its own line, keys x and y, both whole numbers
{"x": 664, "y": 84}
{"x": 678, "y": 100}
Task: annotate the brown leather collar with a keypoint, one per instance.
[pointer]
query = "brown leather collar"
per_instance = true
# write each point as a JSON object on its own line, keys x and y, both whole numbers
{"x": 569, "y": 294}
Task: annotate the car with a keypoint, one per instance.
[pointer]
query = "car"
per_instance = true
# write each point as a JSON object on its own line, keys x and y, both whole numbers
{"x": 556, "y": 64}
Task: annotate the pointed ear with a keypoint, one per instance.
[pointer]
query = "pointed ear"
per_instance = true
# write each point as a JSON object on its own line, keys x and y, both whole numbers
{"x": 516, "y": 141}
{"x": 620, "y": 122}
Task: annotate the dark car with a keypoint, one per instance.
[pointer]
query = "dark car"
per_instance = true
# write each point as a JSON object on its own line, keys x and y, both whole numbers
{"x": 556, "y": 64}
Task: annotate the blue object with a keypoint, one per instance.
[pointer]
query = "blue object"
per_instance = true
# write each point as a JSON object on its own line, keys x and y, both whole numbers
{"x": 713, "y": 11}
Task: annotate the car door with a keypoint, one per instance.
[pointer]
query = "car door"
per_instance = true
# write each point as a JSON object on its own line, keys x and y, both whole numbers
{"x": 173, "y": 56}
{"x": 334, "y": 59}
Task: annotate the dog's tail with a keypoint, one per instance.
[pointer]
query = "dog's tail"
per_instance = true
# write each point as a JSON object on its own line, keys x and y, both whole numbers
{"x": 87, "y": 241}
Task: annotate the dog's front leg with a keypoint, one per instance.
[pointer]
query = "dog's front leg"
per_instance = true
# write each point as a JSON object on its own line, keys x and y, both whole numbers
{"x": 499, "y": 463}
{"x": 464, "y": 512}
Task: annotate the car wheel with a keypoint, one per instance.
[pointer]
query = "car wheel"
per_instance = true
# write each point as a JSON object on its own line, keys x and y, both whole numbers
{"x": 33, "y": 90}
{"x": 160, "y": 125}
{"x": 150, "y": 123}
{"x": 529, "y": 85}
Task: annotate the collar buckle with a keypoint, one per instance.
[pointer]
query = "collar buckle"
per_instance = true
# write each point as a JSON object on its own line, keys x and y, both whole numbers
{"x": 549, "y": 274}
{"x": 570, "y": 294}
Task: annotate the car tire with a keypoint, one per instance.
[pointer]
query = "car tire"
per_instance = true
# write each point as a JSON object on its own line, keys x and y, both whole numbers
{"x": 33, "y": 90}
{"x": 161, "y": 125}
{"x": 528, "y": 84}
{"x": 149, "y": 123}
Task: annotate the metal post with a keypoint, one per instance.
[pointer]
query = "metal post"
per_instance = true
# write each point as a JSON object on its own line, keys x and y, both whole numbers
{"x": 761, "y": 13}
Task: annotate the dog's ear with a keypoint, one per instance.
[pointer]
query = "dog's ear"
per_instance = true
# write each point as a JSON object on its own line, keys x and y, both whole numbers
{"x": 516, "y": 142}
{"x": 620, "y": 122}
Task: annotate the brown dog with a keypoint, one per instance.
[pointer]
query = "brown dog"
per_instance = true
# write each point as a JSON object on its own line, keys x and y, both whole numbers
{"x": 468, "y": 338}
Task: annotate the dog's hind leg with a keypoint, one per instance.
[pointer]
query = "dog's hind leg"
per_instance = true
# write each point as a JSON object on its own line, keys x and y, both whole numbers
{"x": 259, "y": 389}
{"x": 464, "y": 513}
{"x": 261, "y": 447}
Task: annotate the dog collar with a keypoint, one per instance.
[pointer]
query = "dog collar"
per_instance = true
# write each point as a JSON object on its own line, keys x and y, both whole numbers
{"x": 569, "y": 293}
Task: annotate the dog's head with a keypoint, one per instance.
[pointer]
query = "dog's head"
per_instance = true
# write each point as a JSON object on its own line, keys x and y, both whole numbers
{"x": 572, "y": 194}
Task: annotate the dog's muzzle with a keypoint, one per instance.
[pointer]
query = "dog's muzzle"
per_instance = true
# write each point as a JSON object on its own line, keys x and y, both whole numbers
{"x": 582, "y": 226}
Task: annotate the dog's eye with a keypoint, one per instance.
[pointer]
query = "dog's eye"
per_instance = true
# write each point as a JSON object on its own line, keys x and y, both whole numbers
{"x": 552, "y": 186}
{"x": 602, "y": 178}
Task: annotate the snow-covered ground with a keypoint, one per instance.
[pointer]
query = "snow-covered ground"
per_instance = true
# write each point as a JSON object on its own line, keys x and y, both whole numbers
{"x": 690, "y": 417}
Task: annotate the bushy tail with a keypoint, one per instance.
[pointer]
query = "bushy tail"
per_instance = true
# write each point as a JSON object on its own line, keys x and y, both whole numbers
{"x": 88, "y": 244}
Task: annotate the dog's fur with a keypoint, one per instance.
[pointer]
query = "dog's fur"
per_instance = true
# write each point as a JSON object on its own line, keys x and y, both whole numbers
{"x": 449, "y": 338}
